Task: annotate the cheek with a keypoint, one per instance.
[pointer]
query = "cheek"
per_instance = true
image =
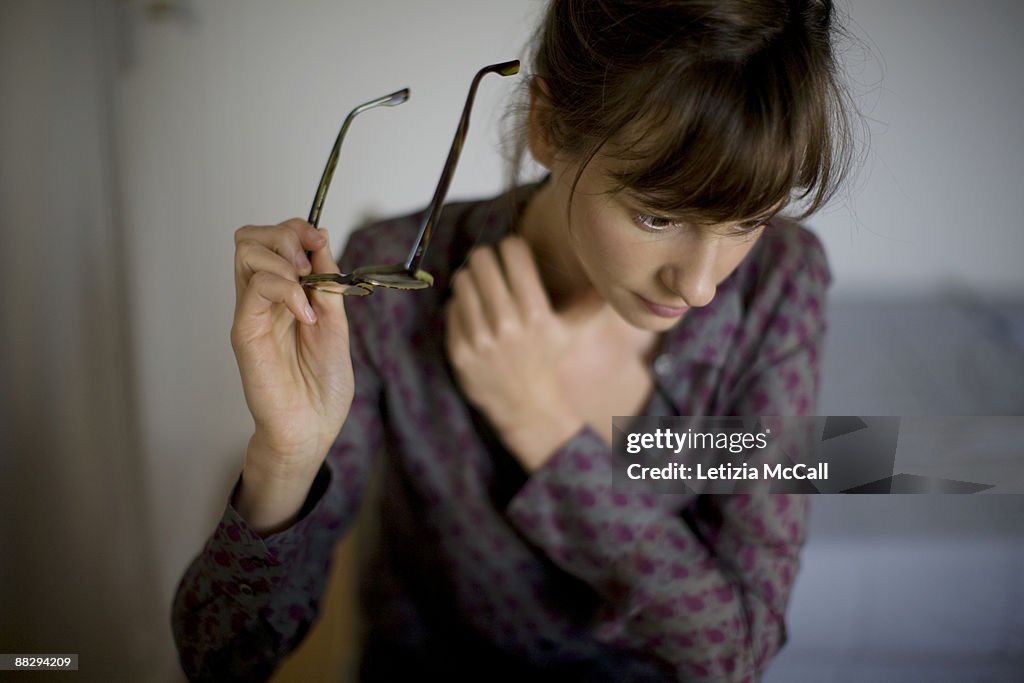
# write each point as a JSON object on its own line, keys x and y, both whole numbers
{"x": 606, "y": 249}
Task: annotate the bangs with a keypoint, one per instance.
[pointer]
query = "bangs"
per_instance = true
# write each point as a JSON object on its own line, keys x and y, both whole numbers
{"x": 731, "y": 142}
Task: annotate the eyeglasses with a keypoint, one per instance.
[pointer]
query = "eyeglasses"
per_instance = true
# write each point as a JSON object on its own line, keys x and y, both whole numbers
{"x": 407, "y": 274}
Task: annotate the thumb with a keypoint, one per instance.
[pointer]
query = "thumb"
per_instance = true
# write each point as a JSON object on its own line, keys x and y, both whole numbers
{"x": 322, "y": 259}
{"x": 325, "y": 298}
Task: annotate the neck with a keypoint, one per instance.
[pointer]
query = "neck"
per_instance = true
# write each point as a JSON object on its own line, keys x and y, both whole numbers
{"x": 545, "y": 228}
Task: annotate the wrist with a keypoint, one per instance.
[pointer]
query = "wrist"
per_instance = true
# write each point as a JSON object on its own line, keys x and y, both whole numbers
{"x": 274, "y": 458}
{"x": 270, "y": 504}
{"x": 273, "y": 487}
{"x": 534, "y": 439}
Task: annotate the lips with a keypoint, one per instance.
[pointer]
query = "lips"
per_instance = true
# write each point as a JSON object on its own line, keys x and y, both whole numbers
{"x": 662, "y": 310}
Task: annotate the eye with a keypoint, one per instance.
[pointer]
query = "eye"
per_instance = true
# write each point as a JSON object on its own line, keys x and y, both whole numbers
{"x": 652, "y": 223}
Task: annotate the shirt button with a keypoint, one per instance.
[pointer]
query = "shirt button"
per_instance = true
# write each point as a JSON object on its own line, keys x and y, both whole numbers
{"x": 663, "y": 364}
{"x": 245, "y": 589}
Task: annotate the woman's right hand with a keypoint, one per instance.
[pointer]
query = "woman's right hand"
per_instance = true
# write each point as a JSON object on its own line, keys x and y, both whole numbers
{"x": 292, "y": 348}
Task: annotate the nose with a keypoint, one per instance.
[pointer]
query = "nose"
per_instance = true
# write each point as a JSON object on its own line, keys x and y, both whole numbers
{"x": 690, "y": 274}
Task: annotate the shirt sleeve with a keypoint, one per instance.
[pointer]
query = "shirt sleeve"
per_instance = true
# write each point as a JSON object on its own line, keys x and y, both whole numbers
{"x": 245, "y": 601}
{"x": 705, "y": 591}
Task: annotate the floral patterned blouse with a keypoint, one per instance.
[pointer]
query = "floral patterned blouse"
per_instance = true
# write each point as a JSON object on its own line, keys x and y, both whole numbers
{"x": 482, "y": 572}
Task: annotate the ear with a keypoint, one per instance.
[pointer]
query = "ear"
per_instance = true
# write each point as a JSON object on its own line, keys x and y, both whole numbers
{"x": 536, "y": 129}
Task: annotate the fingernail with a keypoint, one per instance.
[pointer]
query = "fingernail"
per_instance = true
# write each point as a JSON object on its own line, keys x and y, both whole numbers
{"x": 323, "y": 233}
{"x": 310, "y": 314}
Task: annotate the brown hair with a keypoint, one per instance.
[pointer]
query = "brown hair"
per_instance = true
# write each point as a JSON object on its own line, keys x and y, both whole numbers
{"x": 720, "y": 111}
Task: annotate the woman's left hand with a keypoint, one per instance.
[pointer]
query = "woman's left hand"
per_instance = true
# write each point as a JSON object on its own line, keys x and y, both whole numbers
{"x": 505, "y": 343}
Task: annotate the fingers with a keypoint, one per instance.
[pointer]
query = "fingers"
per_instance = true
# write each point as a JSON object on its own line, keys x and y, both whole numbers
{"x": 268, "y": 262}
{"x": 488, "y": 279}
{"x": 523, "y": 277}
{"x": 322, "y": 258}
{"x": 453, "y": 331}
{"x": 495, "y": 288}
{"x": 252, "y": 256}
{"x": 466, "y": 307}
{"x": 290, "y": 240}
{"x": 266, "y": 289}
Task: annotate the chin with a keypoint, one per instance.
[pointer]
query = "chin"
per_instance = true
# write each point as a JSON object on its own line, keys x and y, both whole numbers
{"x": 656, "y": 324}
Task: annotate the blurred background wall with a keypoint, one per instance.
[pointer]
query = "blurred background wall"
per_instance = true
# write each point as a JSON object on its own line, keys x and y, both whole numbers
{"x": 136, "y": 136}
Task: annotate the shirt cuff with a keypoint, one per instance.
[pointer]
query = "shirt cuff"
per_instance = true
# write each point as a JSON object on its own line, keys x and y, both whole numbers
{"x": 569, "y": 509}
{"x": 249, "y": 568}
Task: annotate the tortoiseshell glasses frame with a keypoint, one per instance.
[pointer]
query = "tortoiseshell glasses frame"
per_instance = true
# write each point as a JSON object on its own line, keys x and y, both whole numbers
{"x": 407, "y": 274}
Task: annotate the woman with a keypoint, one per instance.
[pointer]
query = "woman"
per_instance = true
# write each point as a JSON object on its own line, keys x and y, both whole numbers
{"x": 649, "y": 273}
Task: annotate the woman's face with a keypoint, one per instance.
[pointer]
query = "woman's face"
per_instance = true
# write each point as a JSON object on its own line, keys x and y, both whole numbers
{"x": 649, "y": 269}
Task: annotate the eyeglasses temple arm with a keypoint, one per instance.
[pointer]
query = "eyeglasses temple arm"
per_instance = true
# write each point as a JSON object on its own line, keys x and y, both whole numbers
{"x": 395, "y": 98}
{"x": 419, "y": 248}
